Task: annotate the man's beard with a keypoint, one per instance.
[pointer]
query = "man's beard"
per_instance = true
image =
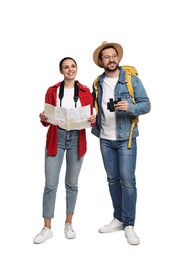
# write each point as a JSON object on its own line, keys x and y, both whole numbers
{"x": 111, "y": 70}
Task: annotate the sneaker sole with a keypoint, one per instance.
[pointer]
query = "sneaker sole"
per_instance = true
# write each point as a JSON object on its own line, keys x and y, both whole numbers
{"x": 110, "y": 230}
{"x": 133, "y": 243}
{"x": 40, "y": 242}
{"x": 70, "y": 237}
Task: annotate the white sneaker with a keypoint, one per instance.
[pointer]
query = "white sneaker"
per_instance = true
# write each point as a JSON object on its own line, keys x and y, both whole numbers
{"x": 114, "y": 225}
{"x": 43, "y": 236}
{"x": 131, "y": 235}
{"x": 68, "y": 231}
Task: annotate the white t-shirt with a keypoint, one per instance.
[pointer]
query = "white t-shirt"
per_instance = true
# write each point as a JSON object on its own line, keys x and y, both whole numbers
{"x": 108, "y": 122}
{"x": 68, "y": 99}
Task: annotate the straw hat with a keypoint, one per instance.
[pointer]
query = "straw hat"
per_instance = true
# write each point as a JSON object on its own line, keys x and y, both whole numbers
{"x": 117, "y": 46}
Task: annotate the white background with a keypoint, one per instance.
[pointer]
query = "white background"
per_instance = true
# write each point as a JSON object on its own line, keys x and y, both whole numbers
{"x": 35, "y": 35}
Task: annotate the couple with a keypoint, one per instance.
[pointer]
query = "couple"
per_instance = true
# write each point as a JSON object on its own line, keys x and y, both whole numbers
{"x": 111, "y": 126}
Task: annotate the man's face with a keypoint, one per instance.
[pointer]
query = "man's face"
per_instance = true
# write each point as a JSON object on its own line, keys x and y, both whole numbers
{"x": 109, "y": 60}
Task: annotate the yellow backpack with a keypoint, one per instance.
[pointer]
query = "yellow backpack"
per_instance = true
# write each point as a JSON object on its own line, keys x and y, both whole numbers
{"x": 130, "y": 70}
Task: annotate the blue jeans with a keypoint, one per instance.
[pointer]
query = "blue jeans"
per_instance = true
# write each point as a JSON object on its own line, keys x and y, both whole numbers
{"x": 67, "y": 141}
{"x": 120, "y": 164}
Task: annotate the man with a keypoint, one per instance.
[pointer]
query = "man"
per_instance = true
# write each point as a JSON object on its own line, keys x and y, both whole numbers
{"x": 115, "y": 110}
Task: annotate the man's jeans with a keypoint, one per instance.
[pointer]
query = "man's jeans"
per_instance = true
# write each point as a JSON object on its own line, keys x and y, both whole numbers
{"x": 67, "y": 141}
{"x": 120, "y": 164}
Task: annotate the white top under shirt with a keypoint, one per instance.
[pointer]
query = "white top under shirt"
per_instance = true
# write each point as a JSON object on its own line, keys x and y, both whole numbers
{"x": 108, "y": 122}
{"x": 68, "y": 99}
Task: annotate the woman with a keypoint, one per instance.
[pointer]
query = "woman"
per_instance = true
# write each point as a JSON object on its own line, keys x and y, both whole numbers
{"x": 69, "y": 94}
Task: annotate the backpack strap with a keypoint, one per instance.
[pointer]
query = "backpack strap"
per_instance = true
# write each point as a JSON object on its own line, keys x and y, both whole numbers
{"x": 95, "y": 89}
{"x": 130, "y": 70}
{"x": 134, "y": 120}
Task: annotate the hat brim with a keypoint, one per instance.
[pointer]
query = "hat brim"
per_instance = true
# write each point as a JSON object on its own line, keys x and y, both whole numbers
{"x": 117, "y": 46}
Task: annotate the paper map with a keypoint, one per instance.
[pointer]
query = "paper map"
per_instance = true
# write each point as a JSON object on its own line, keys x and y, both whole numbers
{"x": 68, "y": 119}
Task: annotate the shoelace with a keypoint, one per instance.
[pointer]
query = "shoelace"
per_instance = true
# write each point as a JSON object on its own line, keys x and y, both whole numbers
{"x": 42, "y": 231}
{"x": 68, "y": 227}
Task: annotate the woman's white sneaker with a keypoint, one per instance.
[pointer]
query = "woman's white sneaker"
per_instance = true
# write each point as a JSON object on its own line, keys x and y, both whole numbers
{"x": 43, "y": 236}
{"x": 131, "y": 235}
{"x": 114, "y": 225}
{"x": 68, "y": 231}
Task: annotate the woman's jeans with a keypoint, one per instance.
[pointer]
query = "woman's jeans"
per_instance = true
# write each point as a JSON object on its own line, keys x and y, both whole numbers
{"x": 120, "y": 164}
{"x": 67, "y": 141}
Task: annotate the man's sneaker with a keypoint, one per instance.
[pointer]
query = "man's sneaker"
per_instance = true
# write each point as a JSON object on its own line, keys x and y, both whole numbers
{"x": 114, "y": 225}
{"x": 68, "y": 231}
{"x": 131, "y": 235}
{"x": 43, "y": 236}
